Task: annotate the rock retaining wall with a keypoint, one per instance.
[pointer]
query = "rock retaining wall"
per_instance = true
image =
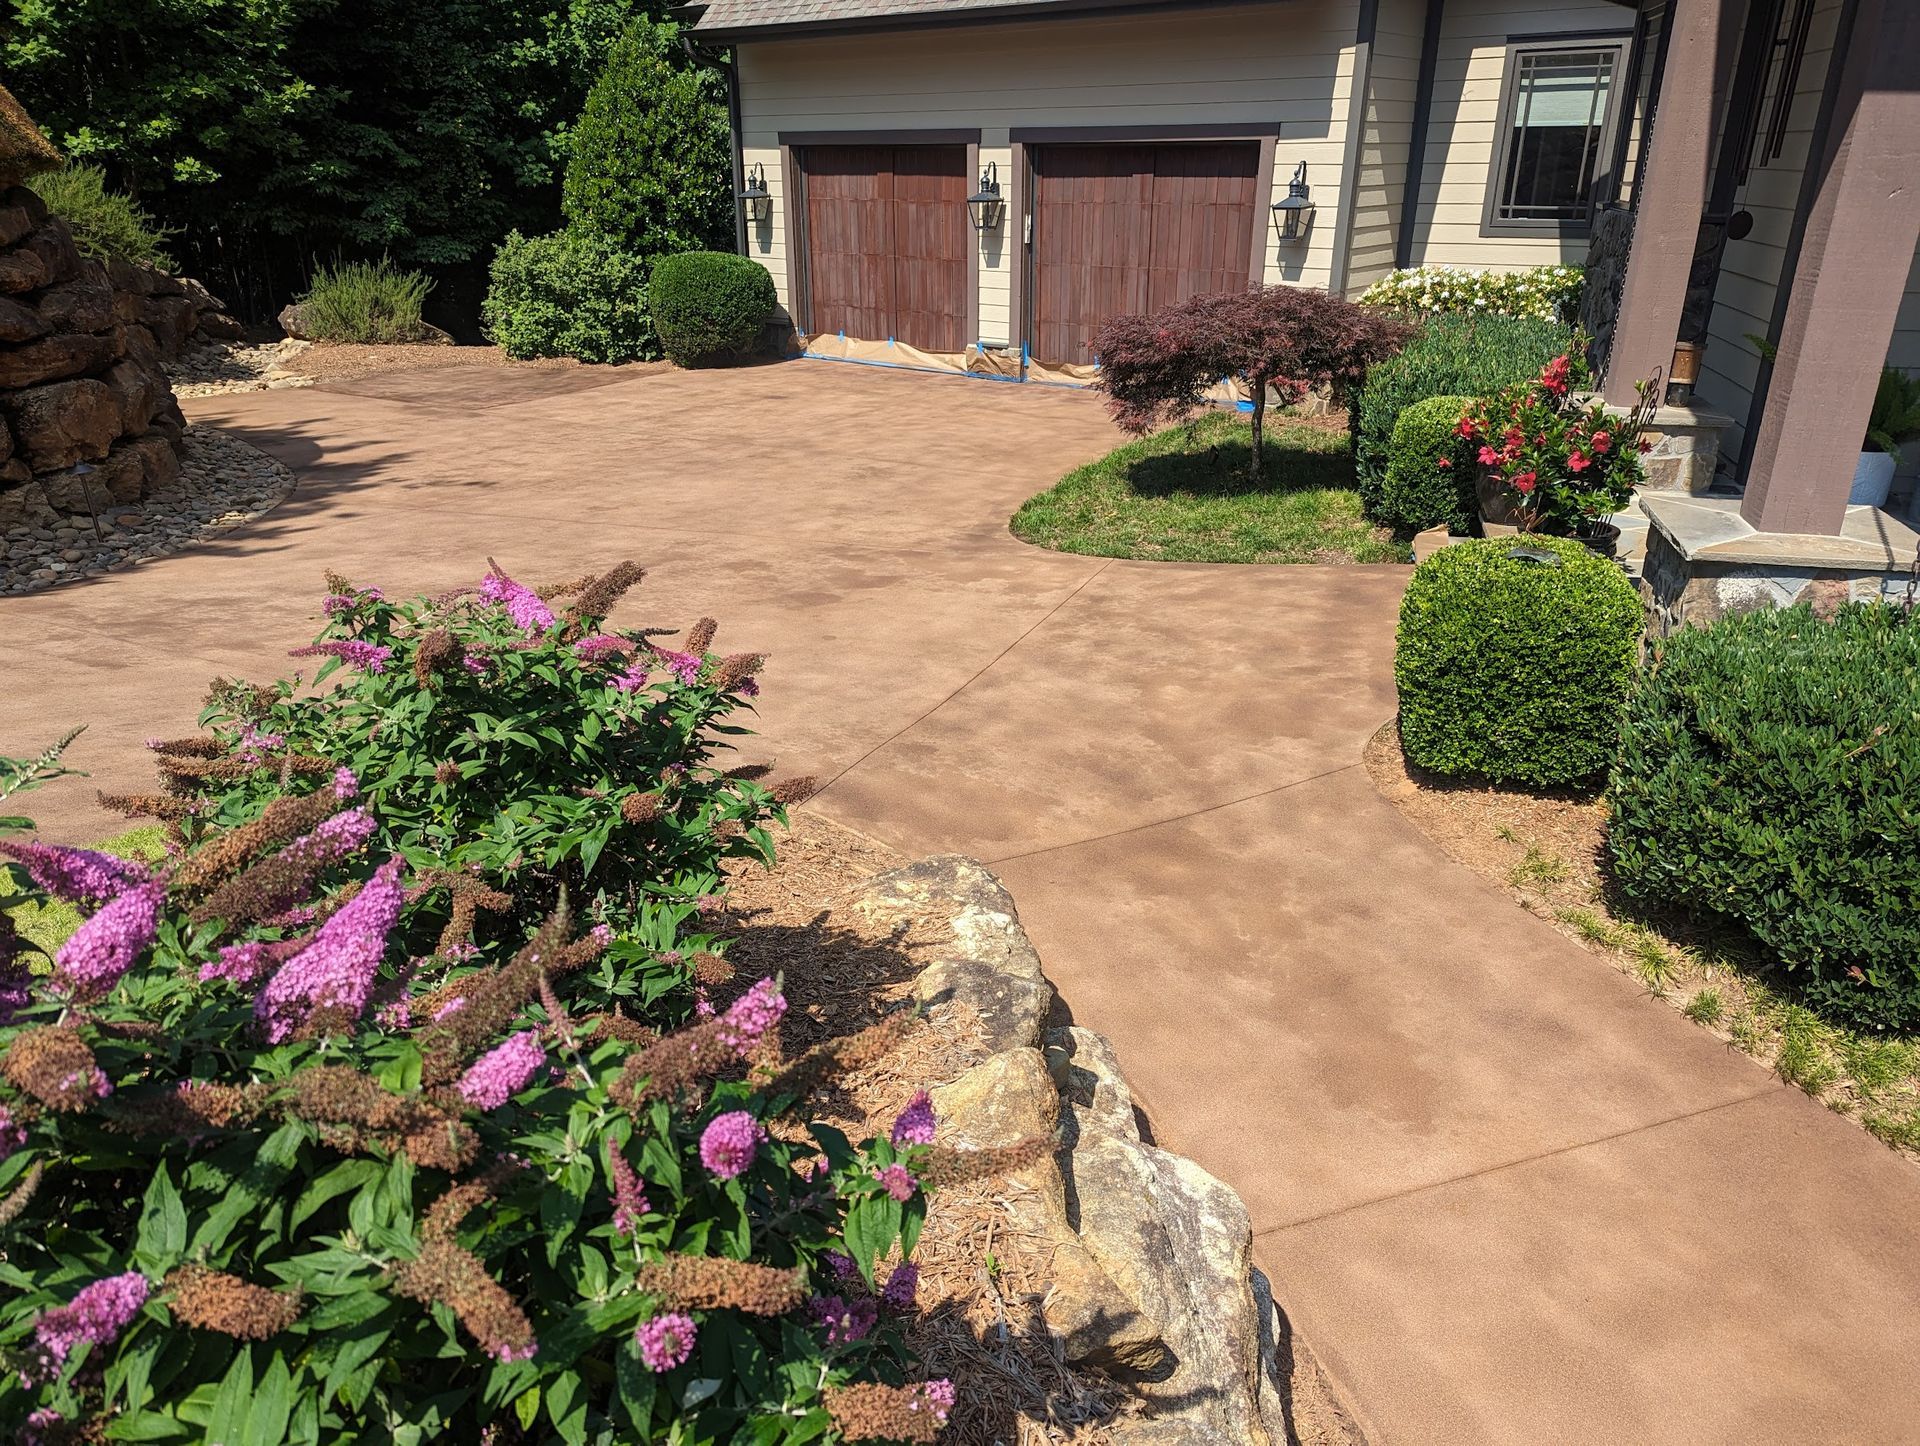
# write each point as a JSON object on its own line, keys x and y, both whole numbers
{"x": 1153, "y": 1257}
{"x": 87, "y": 417}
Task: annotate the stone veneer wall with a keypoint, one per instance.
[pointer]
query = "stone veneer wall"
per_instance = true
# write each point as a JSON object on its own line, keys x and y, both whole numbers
{"x": 88, "y": 419}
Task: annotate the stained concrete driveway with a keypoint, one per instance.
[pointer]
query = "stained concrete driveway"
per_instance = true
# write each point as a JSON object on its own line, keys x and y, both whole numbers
{"x": 1503, "y": 1195}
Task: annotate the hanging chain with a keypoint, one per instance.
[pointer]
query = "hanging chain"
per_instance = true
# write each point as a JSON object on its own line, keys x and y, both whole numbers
{"x": 1913, "y": 582}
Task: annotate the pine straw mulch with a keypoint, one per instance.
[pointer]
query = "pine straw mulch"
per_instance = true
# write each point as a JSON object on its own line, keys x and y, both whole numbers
{"x": 1547, "y": 848}
{"x": 982, "y": 1281}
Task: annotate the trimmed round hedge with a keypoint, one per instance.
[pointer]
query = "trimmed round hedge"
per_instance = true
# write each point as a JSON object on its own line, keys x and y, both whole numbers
{"x": 568, "y": 294}
{"x": 1419, "y": 492}
{"x": 1512, "y": 669}
{"x": 1769, "y": 775}
{"x": 709, "y": 304}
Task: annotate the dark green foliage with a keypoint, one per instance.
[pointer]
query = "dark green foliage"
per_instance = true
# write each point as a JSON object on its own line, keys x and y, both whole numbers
{"x": 1513, "y": 669}
{"x": 364, "y": 301}
{"x": 1454, "y": 356}
{"x": 651, "y": 166}
{"x": 569, "y": 294}
{"x": 105, "y": 222}
{"x": 709, "y": 304}
{"x": 270, "y": 131}
{"x": 1769, "y": 774}
{"x": 1430, "y": 469}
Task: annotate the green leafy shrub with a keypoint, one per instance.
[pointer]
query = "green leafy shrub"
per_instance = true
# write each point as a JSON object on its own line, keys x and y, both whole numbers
{"x": 105, "y": 223}
{"x": 709, "y": 304}
{"x": 652, "y": 165}
{"x": 364, "y": 301}
{"x": 1546, "y": 293}
{"x": 1515, "y": 669}
{"x": 569, "y": 294}
{"x": 1767, "y": 775}
{"x": 273, "y": 1168}
{"x": 1430, "y": 468}
{"x": 1469, "y": 356}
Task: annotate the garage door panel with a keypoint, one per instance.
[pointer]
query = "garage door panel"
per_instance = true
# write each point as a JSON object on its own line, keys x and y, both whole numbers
{"x": 1127, "y": 229}
{"x": 887, "y": 243}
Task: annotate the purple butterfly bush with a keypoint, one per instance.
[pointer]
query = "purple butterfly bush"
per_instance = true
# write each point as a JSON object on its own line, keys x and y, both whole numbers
{"x": 523, "y": 605}
{"x": 666, "y": 1341}
{"x": 93, "y": 1317}
{"x": 749, "y": 1017}
{"x": 337, "y": 967}
{"x": 730, "y": 1142}
{"x": 915, "y": 1123}
{"x": 630, "y": 1202}
{"x": 103, "y": 949}
{"x": 845, "y": 1320}
{"x": 898, "y": 1180}
{"x": 367, "y": 657}
{"x": 80, "y": 876}
{"x": 503, "y": 1071}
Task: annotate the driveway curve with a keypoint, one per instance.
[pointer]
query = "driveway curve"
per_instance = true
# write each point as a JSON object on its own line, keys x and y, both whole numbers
{"x": 1504, "y": 1196}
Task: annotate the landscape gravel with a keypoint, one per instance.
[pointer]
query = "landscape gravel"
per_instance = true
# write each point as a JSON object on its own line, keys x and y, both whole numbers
{"x": 223, "y": 482}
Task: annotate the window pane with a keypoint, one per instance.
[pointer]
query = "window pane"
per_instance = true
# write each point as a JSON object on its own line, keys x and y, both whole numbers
{"x": 1559, "y": 116}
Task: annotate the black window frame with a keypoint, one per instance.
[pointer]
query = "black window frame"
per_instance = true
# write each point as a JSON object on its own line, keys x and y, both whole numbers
{"x": 1492, "y": 223}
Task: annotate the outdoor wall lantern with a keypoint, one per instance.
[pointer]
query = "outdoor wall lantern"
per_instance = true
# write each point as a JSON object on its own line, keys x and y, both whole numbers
{"x": 983, "y": 206}
{"x": 1293, "y": 213}
{"x": 755, "y": 200}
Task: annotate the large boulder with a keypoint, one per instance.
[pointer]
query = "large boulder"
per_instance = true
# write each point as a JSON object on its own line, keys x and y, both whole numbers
{"x": 52, "y": 242}
{"x": 52, "y": 358}
{"x": 85, "y": 303}
{"x": 62, "y": 423}
{"x": 26, "y": 199}
{"x": 22, "y": 271}
{"x": 15, "y": 222}
{"x": 141, "y": 390}
{"x": 218, "y": 326}
{"x": 170, "y": 319}
{"x": 293, "y": 321}
{"x": 19, "y": 323}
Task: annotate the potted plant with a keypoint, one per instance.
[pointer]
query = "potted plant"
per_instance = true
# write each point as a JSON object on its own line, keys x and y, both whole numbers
{"x": 1895, "y": 420}
{"x": 1551, "y": 463}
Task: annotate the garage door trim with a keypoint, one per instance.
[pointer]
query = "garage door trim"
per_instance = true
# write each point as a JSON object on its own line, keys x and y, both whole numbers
{"x": 793, "y": 208}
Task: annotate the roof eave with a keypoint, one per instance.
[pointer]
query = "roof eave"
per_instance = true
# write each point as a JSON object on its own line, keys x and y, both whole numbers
{"x": 947, "y": 19}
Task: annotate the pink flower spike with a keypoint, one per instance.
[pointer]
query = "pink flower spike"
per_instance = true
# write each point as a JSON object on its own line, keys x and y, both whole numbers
{"x": 93, "y": 1317}
{"x": 503, "y": 1071}
{"x": 336, "y": 969}
{"x": 104, "y": 948}
{"x": 898, "y": 1179}
{"x": 80, "y": 876}
{"x": 523, "y": 605}
{"x": 915, "y": 1123}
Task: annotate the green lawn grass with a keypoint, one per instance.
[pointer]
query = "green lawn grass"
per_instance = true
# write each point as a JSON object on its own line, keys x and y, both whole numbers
{"x": 1183, "y": 495}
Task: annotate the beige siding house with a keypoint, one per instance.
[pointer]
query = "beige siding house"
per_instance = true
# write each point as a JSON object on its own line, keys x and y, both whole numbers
{"x": 1138, "y": 150}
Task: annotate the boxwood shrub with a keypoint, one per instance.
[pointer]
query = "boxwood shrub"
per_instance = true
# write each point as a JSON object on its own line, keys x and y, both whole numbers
{"x": 1430, "y": 469}
{"x": 1453, "y": 356}
{"x": 1769, "y": 775}
{"x": 709, "y": 304}
{"x": 1514, "y": 669}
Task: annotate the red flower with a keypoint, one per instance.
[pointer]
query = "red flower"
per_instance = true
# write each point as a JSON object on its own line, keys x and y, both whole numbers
{"x": 1523, "y": 484}
{"x": 1578, "y": 461}
{"x": 1554, "y": 378}
{"x": 1646, "y": 445}
{"x": 1443, "y": 461}
{"x": 1602, "y": 441}
{"x": 1467, "y": 428}
{"x": 1489, "y": 457}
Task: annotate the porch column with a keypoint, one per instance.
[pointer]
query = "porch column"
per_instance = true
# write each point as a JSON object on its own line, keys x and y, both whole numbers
{"x": 1852, "y": 268}
{"x": 1673, "y": 197}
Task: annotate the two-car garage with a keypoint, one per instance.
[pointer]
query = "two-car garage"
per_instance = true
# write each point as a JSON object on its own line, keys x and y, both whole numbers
{"x": 1098, "y": 228}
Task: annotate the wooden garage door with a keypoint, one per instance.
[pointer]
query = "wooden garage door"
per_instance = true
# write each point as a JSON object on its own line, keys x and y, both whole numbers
{"x": 1127, "y": 229}
{"x": 887, "y": 238}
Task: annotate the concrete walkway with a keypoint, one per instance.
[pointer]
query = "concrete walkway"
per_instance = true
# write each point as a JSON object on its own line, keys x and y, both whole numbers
{"x": 1505, "y": 1197}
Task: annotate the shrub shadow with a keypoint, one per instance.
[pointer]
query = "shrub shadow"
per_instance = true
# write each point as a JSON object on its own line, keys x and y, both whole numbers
{"x": 1222, "y": 469}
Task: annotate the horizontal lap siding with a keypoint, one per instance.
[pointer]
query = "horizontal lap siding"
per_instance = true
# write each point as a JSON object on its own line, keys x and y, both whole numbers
{"x": 1464, "y": 122}
{"x": 1288, "y": 63}
{"x": 1752, "y": 268}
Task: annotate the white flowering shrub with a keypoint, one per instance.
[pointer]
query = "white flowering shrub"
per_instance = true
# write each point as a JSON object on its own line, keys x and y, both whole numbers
{"x": 1548, "y": 293}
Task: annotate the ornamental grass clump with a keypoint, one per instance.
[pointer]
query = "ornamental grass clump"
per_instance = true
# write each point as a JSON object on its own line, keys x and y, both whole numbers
{"x": 310, "y": 1176}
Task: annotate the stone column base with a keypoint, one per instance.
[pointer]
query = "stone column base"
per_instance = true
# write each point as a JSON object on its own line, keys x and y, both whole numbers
{"x": 1704, "y": 561}
{"x": 1686, "y": 447}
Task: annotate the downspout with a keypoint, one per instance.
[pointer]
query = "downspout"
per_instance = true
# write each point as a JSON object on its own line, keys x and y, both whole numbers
{"x": 1359, "y": 98}
{"x": 1417, "y": 141}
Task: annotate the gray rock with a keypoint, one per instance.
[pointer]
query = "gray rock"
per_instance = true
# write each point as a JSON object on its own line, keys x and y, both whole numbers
{"x": 293, "y": 321}
{"x": 1013, "y": 1011}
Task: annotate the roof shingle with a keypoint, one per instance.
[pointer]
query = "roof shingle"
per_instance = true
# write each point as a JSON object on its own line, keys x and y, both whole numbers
{"x": 738, "y": 17}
